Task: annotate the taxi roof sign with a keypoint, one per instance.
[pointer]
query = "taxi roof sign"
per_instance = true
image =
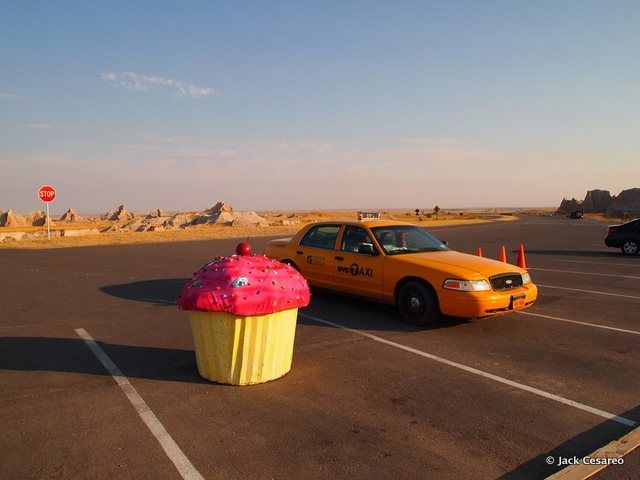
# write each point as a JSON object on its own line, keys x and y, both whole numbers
{"x": 362, "y": 216}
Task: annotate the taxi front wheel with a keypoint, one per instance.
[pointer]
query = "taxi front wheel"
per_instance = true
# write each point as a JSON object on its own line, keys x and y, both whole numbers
{"x": 417, "y": 304}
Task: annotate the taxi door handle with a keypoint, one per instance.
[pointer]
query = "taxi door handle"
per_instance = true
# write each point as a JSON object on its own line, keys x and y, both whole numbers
{"x": 339, "y": 258}
{"x": 300, "y": 252}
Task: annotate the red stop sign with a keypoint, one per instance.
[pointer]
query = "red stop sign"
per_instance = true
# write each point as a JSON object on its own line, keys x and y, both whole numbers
{"x": 47, "y": 193}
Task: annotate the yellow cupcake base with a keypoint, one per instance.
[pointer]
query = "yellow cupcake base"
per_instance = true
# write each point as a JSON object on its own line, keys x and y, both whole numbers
{"x": 243, "y": 350}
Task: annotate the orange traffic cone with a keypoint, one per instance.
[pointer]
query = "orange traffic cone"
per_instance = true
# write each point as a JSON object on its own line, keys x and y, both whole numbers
{"x": 479, "y": 251}
{"x": 503, "y": 255}
{"x": 522, "y": 263}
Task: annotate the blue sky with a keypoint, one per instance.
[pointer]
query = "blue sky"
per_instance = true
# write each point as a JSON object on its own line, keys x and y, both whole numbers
{"x": 317, "y": 104}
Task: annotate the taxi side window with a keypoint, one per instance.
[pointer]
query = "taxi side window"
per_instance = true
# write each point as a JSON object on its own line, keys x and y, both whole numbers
{"x": 321, "y": 236}
{"x": 354, "y": 238}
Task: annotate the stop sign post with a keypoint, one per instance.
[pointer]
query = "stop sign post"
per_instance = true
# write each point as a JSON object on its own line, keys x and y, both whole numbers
{"x": 47, "y": 194}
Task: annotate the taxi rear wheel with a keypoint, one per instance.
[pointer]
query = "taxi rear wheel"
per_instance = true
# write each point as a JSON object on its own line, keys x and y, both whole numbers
{"x": 292, "y": 264}
{"x": 417, "y": 304}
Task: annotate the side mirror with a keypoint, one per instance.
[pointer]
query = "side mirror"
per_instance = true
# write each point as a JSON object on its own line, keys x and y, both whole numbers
{"x": 367, "y": 249}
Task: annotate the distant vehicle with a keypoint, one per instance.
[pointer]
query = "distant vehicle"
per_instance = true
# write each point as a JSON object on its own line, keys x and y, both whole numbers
{"x": 576, "y": 214}
{"x": 626, "y": 237}
{"x": 400, "y": 263}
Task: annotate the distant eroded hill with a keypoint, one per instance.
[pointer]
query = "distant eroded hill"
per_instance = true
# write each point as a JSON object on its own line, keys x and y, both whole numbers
{"x": 626, "y": 203}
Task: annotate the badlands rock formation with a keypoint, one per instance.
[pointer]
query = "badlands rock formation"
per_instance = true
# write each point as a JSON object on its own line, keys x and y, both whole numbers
{"x": 120, "y": 214}
{"x": 626, "y": 203}
{"x": 113, "y": 228}
{"x": 12, "y": 219}
{"x": 567, "y": 205}
{"x": 153, "y": 224}
{"x": 630, "y": 196}
{"x": 247, "y": 219}
{"x": 37, "y": 218}
{"x": 71, "y": 216}
{"x": 157, "y": 213}
{"x": 180, "y": 220}
{"x": 223, "y": 214}
{"x": 596, "y": 201}
{"x": 220, "y": 214}
{"x": 219, "y": 207}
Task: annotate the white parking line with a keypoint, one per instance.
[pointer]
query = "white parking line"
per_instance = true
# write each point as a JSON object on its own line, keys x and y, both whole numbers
{"x": 585, "y": 273}
{"x": 589, "y": 291}
{"x": 170, "y": 447}
{"x": 511, "y": 383}
{"x": 599, "y": 263}
{"x": 623, "y": 330}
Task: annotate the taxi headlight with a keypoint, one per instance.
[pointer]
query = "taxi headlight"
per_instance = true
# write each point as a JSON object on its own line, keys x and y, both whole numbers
{"x": 466, "y": 285}
{"x": 526, "y": 278}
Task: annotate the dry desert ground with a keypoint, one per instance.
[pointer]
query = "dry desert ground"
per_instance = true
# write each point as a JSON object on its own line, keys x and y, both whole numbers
{"x": 152, "y": 227}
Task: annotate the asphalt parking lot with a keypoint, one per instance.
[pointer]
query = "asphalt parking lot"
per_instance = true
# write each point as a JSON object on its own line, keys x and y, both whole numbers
{"x": 368, "y": 396}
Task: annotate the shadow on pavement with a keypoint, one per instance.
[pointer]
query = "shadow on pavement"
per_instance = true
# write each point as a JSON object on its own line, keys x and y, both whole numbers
{"x": 580, "y": 446}
{"x": 348, "y": 311}
{"x": 161, "y": 292}
{"x": 73, "y": 356}
{"x": 362, "y": 314}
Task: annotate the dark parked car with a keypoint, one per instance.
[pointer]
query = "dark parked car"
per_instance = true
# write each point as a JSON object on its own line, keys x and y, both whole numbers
{"x": 626, "y": 237}
{"x": 578, "y": 214}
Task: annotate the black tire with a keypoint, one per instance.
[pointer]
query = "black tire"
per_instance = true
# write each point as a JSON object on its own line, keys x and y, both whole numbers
{"x": 630, "y": 247}
{"x": 417, "y": 304}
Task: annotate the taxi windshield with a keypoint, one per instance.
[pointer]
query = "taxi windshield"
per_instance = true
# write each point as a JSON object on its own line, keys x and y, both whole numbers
{"x": 399, "y": 239}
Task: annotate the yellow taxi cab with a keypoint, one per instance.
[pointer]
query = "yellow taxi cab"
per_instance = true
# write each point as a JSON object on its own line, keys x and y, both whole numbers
{"x": 401, "y": 263}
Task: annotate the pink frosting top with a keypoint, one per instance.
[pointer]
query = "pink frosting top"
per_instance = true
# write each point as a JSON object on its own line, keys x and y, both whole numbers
{"x": 246, "y": 286}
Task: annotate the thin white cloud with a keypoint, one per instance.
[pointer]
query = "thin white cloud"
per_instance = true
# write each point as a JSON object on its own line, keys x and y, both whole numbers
{"x": 11, "y": 96}
{"x": 37, "y": 126}
{"x": 143, "y": 83}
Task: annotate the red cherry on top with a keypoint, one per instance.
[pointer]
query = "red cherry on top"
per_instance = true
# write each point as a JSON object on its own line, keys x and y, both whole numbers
{"x": 243, "y": 249}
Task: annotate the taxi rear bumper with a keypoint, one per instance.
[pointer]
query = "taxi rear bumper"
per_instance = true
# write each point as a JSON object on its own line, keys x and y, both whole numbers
{"x": 482, "y": 304}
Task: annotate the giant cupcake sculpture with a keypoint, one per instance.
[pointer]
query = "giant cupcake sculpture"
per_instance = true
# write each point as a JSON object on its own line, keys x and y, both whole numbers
{"x": 243, "y": 311}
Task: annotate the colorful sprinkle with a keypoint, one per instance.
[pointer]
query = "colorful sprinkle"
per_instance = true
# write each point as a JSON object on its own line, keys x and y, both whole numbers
{"x": 218, "y": 279}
